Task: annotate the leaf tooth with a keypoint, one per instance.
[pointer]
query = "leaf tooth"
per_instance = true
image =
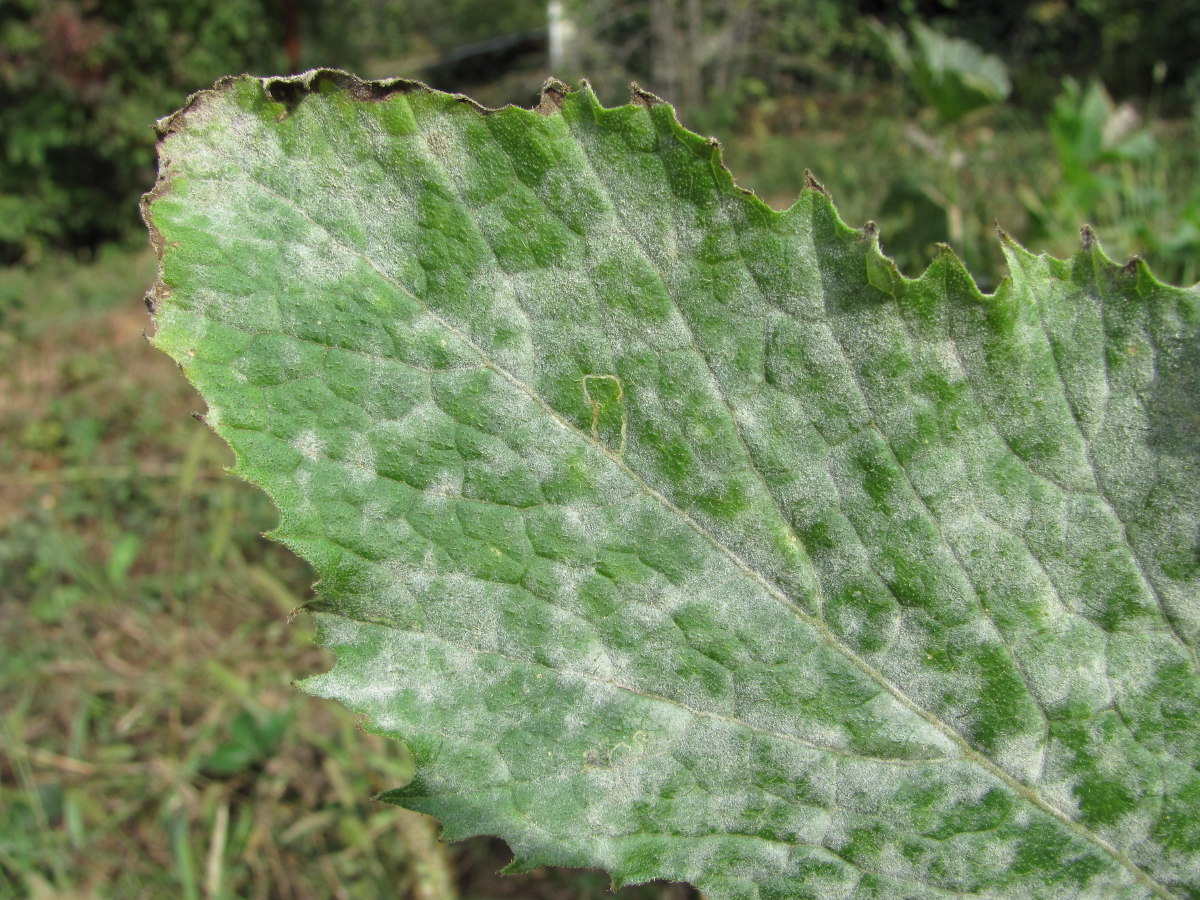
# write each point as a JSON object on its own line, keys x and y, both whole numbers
{"x": 811, "y": 183}
{"x": 525, "y": 861}
{"x": 550, "y": 99}
{"x": 639, "y": 96}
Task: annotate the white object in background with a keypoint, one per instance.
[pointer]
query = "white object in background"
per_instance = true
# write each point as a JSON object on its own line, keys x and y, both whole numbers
{"x": 562, "y": 36}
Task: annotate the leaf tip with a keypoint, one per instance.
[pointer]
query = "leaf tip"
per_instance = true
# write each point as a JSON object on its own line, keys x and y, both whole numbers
{"x": 639, "y": 96}
{"x": 1087, "y": 237}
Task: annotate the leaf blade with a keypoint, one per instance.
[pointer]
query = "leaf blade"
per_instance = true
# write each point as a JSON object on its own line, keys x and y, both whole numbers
{"x": 559, "y": 412}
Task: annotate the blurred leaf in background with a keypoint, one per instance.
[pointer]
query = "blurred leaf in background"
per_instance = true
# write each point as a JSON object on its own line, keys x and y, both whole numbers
{"x": 951, "y": 75}
{"x": 251, "y": 741}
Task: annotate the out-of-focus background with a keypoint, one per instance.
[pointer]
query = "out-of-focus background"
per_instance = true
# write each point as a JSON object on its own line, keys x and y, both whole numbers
{"x": 151, "y": 744}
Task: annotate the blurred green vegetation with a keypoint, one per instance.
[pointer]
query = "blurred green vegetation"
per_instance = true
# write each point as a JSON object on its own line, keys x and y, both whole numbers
{"x": 151, "y": 744}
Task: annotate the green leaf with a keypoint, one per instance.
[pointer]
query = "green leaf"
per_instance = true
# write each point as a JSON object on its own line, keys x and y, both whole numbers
{"x": 251, "y": 742}
{"x": 686, "y": 538}
{"x": 953, "y": 76}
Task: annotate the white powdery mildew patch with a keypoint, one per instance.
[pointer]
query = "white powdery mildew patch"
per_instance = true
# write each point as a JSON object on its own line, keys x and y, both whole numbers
{"x": 1134, "y": 829}
{"x": 565, "y": 583}
{"x": 390, "y": 245}
{"x": 383, "y": 204}
{"x": 1079, "y": 676}
{"x": 709, "y": 583}
{"x": 1135, "y": 661}
{"x": 1070, "y": 675}
{"x": 642, "y": 215}
{"x": 1057, "y": 786}
{"x": 989, "y": 855}
{"x": 812, "y": 732}
{"x": 593, "y": 528}
{"x": 723, "y": 749}
{"x": 614, "y": 257}
{"x": 572, "y": 644}
{"x": 259, "y": 149}
{"x": 1021, "y": 756}
{"x": 947, "y": 354}
{"x": 338, "y": 632}
{"x": 562, "y": 186}
{"x": 945, "y": 478}
{"x": 410, "y": 579}
{"x": 593, "y": 698}
{"x": 499, "y": 301}
{"x": 638, "y": 772}
{"x": 373, "y": 515}
{"x": 216, "y": 307}
{"x": 443, "y": 145}
{"x": 309, "y": 443}
{"x": 444, "y": 487}
{"x": 459, "y": 605}
{"x": 768, "y": 860}
{"x": 320, "y": 259}
{"x": 499, "y": 459}
{"x": 371, "y": 688}
{"x": 620, "y": 665}
{"x": 434, "y": 693}
{"x": 394, "y": 593}
{"x": 733, "y": 807}
{"x": 790, "y": 762}
{"x": 757, "y": 530}
{"x": 879, "y": 790}
{"x": 1023, "y": 600}
{"x": 811, "y": 824}
{"x": 1186, "y": 870}
{"x": 360, "y": 460}
{"x": 1115, "y": 885}
{"x": 302, "y": 477}
{"x": 905, "y": 727}
{"x": 212, "y": 415}
{"x": 640, "y": 618}
{"x": 409, "y": 684}
{"x": 906, "y": 662}
{"x": 288, "y": 354}
{"x": 424, "y": 333}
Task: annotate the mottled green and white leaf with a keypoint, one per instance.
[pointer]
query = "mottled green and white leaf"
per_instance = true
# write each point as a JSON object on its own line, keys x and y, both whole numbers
{"x": 686, "y": 538}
